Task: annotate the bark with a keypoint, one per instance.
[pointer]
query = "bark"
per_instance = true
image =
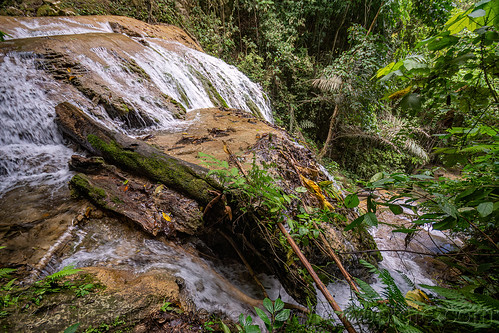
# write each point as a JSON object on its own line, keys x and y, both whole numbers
{"x": 135, "y": 156}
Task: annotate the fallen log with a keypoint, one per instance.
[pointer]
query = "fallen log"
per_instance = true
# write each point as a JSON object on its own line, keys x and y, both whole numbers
{"x": 134, "y": 155}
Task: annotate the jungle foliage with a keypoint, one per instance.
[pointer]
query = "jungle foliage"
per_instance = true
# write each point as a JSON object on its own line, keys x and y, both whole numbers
{"x": 381, "y": 88}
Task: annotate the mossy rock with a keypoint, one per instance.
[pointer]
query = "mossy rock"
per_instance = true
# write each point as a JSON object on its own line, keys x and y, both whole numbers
{"x": 47, "y": 10}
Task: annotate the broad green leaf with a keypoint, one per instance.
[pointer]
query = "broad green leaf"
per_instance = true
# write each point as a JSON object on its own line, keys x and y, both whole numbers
{"x": 355, "y": 223}
{"x": 485, "y": 208}
{"x": 376, "y": 177}
{"x": 445, "y": 224}
{"x": 411, "y": 101}
{"x": 225, "y": 328}
{"x": 352, "y": 200}
{"x": 283, "y": 315}
{"x": 267, "y": 303}
{"x": 301, "y": 189}
{"x": 252, "y": 329}
{"x": 371, "y": 219}
{"x": 278, "y": 305}
{"x": 263, "y": 316}
{"x": 442, "y": 42}
{"x": 389, "y": 68}
{"x": 72, "y": 329}
{"x": 396, "y": 209}
{"x": 477, "y": 13}
{"x": 410, "y": 64}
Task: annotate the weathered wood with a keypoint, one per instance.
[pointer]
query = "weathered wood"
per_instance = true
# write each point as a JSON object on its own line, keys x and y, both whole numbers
{"x": 317, "y": 281}
{"x": 134, "y": 155}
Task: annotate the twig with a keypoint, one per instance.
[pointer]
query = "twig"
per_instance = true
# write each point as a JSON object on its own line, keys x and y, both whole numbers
{"x": 329, "y": 251}
{"x": 248, "y": 267}
{"x": 317, "y": 281}
{"x": 482, "y": 232}
{"x": 374, "y": 20}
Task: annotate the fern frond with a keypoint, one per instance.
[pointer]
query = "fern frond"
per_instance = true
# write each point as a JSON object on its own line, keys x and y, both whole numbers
{"x": 307, "y": 124}
{"x": 6, "y": 271}
{"x": 66, "y": 271}
{"x": 367, "y": 291}
{"x": 407, "y": 280}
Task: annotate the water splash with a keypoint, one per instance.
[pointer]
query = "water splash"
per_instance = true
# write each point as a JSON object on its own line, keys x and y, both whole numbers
{"x": 31, "y": 148}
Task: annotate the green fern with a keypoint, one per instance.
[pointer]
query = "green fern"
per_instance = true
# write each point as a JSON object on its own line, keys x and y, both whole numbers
{"x": 66, "y": 271}
{"x": 4, "y": 272}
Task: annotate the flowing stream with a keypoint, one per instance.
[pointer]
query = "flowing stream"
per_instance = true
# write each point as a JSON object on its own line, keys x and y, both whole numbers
{"x": 33, "y": 152}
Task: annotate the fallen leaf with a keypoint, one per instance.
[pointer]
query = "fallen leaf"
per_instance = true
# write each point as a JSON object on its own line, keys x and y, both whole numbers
{"x": 167, "y": 217}
{"x": 315, "y": 190}
{"x": 158, "y": 189}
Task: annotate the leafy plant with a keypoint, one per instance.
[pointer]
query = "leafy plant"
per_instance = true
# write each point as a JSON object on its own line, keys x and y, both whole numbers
{"x": 273, "y": 321}
{"x": 167, "y": 307}
{"x": 451, "y": 310}
{"x": 383, "y": 311}
{"x": 277, "y": 314}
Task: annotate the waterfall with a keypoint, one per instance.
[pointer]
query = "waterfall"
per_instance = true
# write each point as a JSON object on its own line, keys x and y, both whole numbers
{"x": 31, "y": 149}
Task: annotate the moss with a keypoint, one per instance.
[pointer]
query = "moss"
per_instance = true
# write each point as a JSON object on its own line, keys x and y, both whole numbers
{"x": 132, "y": 66}
{"x": 80, "y": 185}
{"x": 172, "y": 100}
{"x": 46, "y": 10}
{"x": 168, "y": 171}
{"x": 117, "y": 200}
{"x": 255, "y": 110}
{"x": 213, "y": 94}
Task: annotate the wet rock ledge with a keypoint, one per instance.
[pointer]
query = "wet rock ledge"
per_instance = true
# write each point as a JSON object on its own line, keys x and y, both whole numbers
{"x": 166, "y": 195}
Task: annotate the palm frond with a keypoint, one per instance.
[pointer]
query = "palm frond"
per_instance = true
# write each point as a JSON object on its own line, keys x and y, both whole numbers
{"x": 328, "y": 84}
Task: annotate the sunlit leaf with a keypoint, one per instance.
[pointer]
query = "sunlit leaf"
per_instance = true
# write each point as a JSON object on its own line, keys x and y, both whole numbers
{"x": 352, "y": 200}
{"x": 485, "y": 208}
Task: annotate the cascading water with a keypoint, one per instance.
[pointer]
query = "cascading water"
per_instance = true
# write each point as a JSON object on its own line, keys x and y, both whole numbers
{"x": 33, "y": 152}
{"x": 31, "y": 149}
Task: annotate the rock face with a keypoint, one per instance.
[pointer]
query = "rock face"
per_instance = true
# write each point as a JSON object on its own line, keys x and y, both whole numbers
{"x": 163, "y": 210}
{"x": 124, "y": 298}
{"x": 142, "y": 164}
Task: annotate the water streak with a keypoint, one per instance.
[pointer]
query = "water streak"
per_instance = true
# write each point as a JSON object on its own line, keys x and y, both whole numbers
{"x": 31, "y": 148}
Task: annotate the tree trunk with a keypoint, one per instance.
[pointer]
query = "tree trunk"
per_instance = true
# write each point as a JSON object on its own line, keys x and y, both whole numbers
{"x": 135, "y": 156}
{"x": 329, "y": 138}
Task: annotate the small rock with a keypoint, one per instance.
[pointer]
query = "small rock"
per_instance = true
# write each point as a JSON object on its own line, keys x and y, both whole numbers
{"x": 96, "y": 214}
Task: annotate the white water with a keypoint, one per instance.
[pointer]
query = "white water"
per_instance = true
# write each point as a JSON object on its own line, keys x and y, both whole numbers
{"x": 40, "y": 27}
{"x": 107, "y": 245}
{"x": 31, "y": 149}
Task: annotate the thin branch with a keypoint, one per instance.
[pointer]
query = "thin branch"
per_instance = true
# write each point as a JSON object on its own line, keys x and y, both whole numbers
{"x": 421, "y": 253}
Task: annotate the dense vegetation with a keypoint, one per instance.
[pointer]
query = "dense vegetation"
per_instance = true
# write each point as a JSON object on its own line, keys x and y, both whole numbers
{"x": 379, "y": 89}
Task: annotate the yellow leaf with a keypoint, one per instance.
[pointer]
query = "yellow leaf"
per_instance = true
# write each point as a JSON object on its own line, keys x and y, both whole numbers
{"x": 167, "y": 217}
{"x": 414, "y": 296}
{"x": 158, "y": 189}
{"x": 226, "y": 149}
{"x": 69, "y": 70}
{"x": 315, "y": 190}
{"x": 71, "y": 77}
{"x": 400, "y": 93}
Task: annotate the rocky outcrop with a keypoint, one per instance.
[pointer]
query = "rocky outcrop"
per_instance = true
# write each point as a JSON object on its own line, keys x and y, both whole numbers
{"x": 122, "y": 300}
{"x": 175, "y": 206}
